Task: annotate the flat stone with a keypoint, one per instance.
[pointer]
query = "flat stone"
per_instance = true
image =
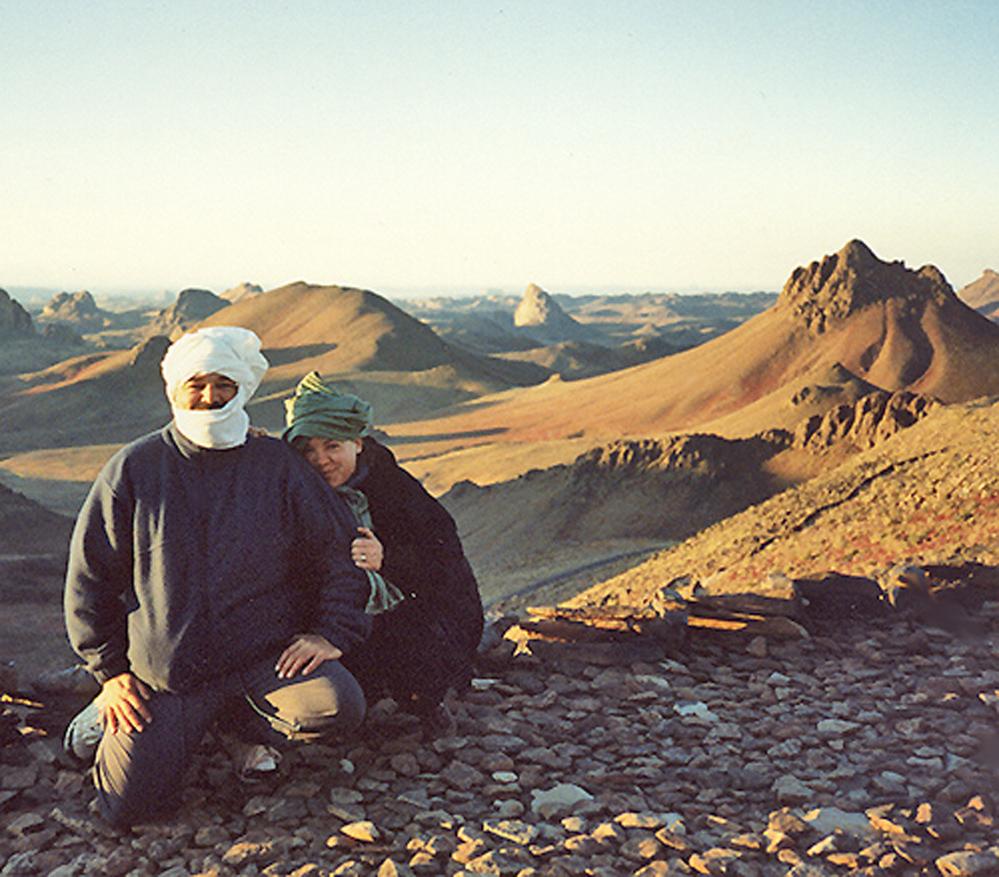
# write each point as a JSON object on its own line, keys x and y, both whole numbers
{"x": 558, "y": 800}
{"x": 365, "y": 831}
{"x": 512, "y": 830}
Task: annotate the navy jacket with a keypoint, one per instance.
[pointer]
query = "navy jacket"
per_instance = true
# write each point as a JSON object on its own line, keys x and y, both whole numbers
{"x": 189, "y": 564}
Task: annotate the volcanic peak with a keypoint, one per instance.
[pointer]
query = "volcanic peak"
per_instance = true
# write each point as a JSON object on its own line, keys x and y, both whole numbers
{"x": 829, "y": 291}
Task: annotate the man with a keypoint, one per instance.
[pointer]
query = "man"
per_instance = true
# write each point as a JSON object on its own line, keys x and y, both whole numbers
{"x": 210, "y": 580}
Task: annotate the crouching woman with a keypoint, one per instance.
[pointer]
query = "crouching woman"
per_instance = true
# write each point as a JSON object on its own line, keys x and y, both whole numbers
{"x": 427, "y": 609}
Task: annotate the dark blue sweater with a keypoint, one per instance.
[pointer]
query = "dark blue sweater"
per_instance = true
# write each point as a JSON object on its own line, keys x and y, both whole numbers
{"x": 189, "y": 564}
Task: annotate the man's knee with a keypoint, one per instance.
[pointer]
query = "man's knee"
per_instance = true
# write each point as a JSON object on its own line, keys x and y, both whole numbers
{"x": 131, "y": 789}
{"x": 328, "y": 701}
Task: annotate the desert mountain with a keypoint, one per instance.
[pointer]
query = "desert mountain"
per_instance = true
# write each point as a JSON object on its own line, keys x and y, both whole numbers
{"x": 882, "y": 323}
{"x": 23, "y": 348}
{"x": 96, "y": 398}
{"x": 192, "y": 306}
{"x": 79, "y": 311}
{"x": 358, "y": 337}
{"x": 15, "y": 321}
{"x": 244, "y": 290}
{"x": 539, "y": 316}
{"x": 357, "y": 333}
{"x": 983, "y": 294}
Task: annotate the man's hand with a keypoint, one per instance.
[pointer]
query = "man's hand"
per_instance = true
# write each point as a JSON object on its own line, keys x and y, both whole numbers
{"x": 366, "y": 550}
{"x": 306, "y": 652}
{"x": 122, "y": 703}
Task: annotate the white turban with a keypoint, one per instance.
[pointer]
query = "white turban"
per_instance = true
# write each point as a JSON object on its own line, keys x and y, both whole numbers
{"x": 225, "y": 350}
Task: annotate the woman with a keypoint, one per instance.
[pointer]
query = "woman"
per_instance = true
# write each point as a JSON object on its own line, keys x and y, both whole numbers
{"x": 428, "y": 612}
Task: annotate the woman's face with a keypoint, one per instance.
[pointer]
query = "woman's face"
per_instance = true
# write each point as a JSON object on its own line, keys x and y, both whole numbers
{"x": 334, "y": 460}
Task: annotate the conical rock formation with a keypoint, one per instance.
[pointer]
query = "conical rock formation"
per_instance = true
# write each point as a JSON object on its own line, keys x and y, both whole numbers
{"x": 540, "y": 315}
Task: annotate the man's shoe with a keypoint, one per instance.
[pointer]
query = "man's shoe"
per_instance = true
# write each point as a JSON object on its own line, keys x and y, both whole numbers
{"x": 251, "y": 760}
{"x": 83, "y": 734}
{"x": 438, "y": 722}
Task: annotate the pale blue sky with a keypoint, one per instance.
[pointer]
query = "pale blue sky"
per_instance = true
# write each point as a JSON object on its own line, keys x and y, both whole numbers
{"x": 660, "y": 145}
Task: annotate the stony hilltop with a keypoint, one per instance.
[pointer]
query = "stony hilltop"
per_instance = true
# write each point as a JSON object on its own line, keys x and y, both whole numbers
{"x": 868, "y": 748}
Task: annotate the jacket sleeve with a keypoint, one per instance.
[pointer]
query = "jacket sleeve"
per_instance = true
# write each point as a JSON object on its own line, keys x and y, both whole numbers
{"x": 424, "y": 555}
{"x": 97, "y": 578}
{"x": 339, "y": 589}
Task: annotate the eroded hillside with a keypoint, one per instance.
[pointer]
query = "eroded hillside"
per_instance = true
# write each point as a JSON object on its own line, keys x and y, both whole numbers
{"x": 930, "y": 494}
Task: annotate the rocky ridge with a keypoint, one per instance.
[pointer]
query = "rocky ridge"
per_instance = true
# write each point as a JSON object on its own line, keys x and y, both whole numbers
{"x": 192, "y": 306}
{"x": 839, "y": 285}
{"x": 871, "y": 420}
{"x": 865, "y": 748}
{"x": 77, "y": 310}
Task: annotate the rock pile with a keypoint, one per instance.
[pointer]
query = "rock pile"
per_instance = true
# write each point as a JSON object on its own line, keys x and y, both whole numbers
{"x": 868, "y": 750}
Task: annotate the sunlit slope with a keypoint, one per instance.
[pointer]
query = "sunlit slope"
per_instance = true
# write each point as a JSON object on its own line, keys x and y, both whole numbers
{"x": 882, "y": 323}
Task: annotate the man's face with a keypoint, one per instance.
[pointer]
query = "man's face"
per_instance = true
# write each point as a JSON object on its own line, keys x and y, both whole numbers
{"x": 205, "y": 392}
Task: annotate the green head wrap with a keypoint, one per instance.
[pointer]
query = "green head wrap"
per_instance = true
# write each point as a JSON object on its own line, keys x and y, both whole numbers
{"x": 317, "y": 410}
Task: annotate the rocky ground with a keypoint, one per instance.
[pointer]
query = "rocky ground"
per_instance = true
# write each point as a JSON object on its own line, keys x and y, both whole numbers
{"x": 864, "y": 749}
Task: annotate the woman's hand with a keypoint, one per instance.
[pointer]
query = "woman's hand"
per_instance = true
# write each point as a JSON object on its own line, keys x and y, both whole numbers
{"x": 122, "y": 703}
{"x": 366, "y": 551}
{"x": 306, "y": 652}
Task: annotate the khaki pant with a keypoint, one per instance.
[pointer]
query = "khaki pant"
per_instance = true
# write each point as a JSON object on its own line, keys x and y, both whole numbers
{"x": 140, "y": 775}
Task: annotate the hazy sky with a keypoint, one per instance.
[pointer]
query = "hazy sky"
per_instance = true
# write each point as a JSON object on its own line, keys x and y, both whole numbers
{"x": 659, "y": 144}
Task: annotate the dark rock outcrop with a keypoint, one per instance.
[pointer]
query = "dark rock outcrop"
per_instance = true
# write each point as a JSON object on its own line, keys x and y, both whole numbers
{"x": 62, "y": 335}
{"x": 15, "y": 321}
{"x": 192, "y": 306}
{"x": 868, "y": 422}
{"x": 839, "y": 286}
{"x": 147, "y": 356}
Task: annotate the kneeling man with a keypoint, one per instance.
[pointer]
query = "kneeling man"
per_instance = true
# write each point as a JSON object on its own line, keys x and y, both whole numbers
{"x": 210, "y": 581}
